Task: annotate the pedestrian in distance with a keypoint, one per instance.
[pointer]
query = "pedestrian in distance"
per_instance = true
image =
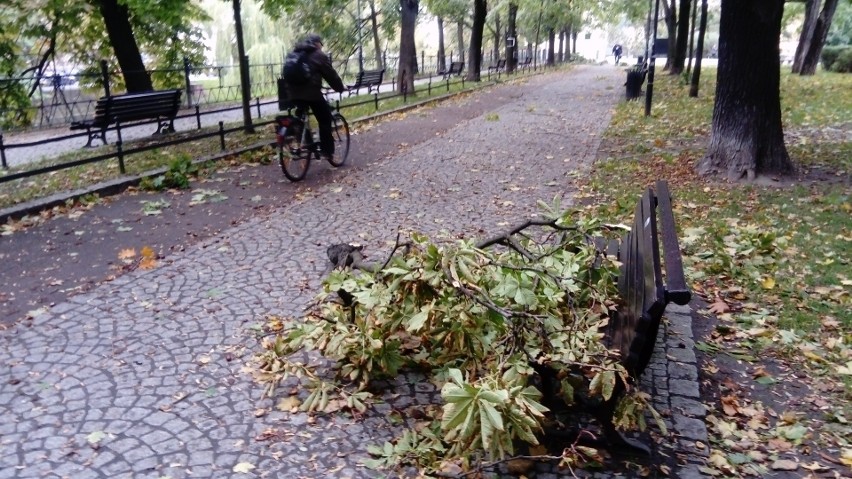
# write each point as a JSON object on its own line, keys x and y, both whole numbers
{"x": 616, "y": 53}
{"x": 304, "y": 70}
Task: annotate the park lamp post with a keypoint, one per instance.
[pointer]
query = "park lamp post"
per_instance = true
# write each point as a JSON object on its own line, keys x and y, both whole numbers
{"x": 649, "y": 92}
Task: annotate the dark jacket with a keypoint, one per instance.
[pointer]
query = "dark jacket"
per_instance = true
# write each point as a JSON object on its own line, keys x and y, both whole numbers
{"x": 322, "y": 70}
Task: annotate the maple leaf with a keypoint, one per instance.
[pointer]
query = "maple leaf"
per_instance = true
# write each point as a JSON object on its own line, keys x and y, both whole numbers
{"x": 730, "y": 405}
{"x": 149, "y": 258}
{"x": 719, "y": 307}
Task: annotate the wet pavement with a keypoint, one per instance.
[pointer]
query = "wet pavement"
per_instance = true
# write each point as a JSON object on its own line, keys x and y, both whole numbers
{"x": 143, "y": 377}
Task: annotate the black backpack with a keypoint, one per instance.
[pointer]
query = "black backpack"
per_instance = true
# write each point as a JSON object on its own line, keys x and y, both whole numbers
{"x": 297, "y": 69}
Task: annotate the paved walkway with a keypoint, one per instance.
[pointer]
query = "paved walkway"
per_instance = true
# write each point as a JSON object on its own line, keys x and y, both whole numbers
{"x": 142, "y": 377}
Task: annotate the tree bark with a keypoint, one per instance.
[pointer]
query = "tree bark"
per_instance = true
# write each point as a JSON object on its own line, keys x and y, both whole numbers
{"x": 699, "y": 52}
{"x": 551, "y": 43}
{"x": 495, "y": 52}
{"x": 117, "y": 22}
{"x": 682, "y": 37}
{"x": 442, "y": 53}
{"x": 670, "y": 15}
{"x": 374, "y": 27}
{"x": 460, "y": 31}
{"x": 811, "y": 56}
{"x": 512, "y": 51}
{"x": 747, "y": 137}
{"x": 407, "y": 48}
{"x": 811, "y": 14}
{"x": 480, "y": 10}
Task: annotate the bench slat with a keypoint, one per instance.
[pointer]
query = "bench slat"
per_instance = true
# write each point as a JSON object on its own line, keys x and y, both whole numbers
{"x": 676, "y": 289}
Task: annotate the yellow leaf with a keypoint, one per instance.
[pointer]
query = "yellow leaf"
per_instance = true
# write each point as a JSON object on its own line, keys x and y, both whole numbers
{"x": 244, "y": 467}
{"x": 813, "y": 356}
{"x": 288, "y": 403}
{"x": 148, "y": 253}
{"x": 128, "y": 253}
{"x": 846, "y": 457}
{"x": 768, "y": 283}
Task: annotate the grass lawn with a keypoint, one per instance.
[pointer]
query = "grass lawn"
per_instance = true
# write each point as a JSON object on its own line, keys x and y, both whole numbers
{"x": 770, "y": 262}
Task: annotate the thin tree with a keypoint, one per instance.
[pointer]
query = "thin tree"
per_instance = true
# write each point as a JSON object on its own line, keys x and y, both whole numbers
{"x": 511, "y": 33}
{"x": 747, "y": 138}
{"x": 814, "y": 34}
{"x": 480, "y": 10}
{"x": 699, "y": 51}
{"x": 682, "y": 36}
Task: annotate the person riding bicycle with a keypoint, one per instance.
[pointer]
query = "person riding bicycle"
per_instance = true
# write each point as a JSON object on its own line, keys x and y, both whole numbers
{"x": 308, "y": 94}
{"x": 616, "y": 53}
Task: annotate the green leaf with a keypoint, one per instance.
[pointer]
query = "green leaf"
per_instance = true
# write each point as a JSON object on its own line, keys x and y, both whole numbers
{"x": 418, "y": 320}
{"x": 492, "y": 414}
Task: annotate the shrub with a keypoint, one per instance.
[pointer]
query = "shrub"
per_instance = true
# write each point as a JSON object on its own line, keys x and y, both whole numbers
{"x": 177, "y": 176}
{"x": 837, "y": 58}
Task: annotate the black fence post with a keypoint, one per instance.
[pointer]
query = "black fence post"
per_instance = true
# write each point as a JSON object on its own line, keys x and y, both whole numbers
{"x": 186, "y": 71}
{"x": 118, "y": 145}
{"x": 257, "y": 103}
{"x": 105, "y": 77}
{"x": 198, "y": 116}
{"x": 222, "y": 135}
{"x": 3, "y": 153}
{"x": 376, "y": 100}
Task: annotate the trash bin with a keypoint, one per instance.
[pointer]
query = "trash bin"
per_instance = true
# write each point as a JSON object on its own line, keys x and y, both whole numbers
{"x": 635, "y": 78}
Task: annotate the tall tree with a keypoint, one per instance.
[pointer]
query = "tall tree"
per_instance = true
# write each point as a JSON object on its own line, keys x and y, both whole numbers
{"x": 480, "y": 10}
{"x": 699, "y": 52}
{"x": 117, "y": 22}
{"x": 747, "y": 136}
{"x": 442, "y": 53}
{"x": 681, "y": 41}
{"x": 407, "y": 48}
{"x": 814, "y": 34}
{"x": 511, "y": 33}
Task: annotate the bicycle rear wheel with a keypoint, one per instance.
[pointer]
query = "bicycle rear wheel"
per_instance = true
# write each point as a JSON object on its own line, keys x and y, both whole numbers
{"x": 340, "y": 130}
{"x": 294, "y": 159}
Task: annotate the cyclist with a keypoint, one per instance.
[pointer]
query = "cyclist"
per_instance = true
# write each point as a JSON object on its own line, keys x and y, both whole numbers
{"x": 616, "y": 53}
{"x": 309, "y": 94}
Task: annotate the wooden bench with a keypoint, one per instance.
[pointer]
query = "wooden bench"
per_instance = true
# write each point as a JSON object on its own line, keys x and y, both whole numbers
{"x": 368, "y": 79}
{"x": 455, "y": 69}
{"x": 527, "y": 63}
{"x": 633, "y": 329}
{"x": 161, "y": 106}
{"x": 497, "y": 67}
{"x": 635, "y": 80}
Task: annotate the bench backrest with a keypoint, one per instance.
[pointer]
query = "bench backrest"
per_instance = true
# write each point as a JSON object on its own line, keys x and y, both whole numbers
{"x": 455, "y": 68}
{"x": 370, "y": 77}
{"x": 501, "y": 63}
{"x": 138, "y": 106}
{"x": 633, "y": 328}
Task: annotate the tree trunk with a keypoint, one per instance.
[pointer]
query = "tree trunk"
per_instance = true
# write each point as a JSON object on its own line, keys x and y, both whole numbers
{"x": 442, "y": 60}
{"x": 117, "y": 22}
{"x": 811, "y": 56}
{"x": 811, "y": 14}
{"x": 407, "y": 48}
{"x": 670, "y": 14}
{"x": 480, "y": 10}
{"x": 374, "y": 27}
{"x": 460, "y": 32}
{"x": 512, "y": 50}
{"x": 682, "y": 37}
{"x": 699, "y": 52}
{"x": 496, "y": 50}
{"x": 747, "y": 137}
{"x": 561, "y": 55}
{"x": 690, "y": 54}
{"x": 551, "y": 52}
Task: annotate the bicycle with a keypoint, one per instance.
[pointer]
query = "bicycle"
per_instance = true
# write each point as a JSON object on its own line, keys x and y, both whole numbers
{"x": 297, "y": 145}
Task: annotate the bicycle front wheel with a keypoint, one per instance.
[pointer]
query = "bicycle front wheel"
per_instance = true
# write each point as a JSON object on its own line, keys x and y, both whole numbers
{"x": 340, "y": 130}
{"x": 293, "y": 158}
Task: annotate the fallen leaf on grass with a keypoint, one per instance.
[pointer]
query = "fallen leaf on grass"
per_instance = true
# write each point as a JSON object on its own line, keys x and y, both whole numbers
{"x": 784, "y": 465}
{"x": 719, "y": 306}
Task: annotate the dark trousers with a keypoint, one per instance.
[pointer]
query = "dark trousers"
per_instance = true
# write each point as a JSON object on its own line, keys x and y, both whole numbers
{"x": 322, "y": 112}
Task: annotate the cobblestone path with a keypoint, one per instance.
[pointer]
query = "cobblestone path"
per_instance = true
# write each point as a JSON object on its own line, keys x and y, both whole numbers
{"x": 141, "y": 377}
